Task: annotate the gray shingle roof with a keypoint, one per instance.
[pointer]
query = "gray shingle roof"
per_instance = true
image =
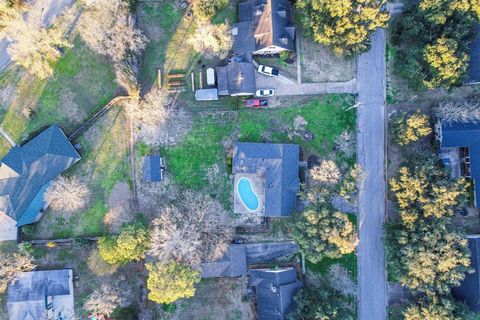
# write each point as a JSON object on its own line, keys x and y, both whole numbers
{"x": 469, "y": 289}
{"x": 232, "y": 264}
{"x": 26, "y": 171}
{"x": 152, "y": 168}
{"x": 236, "y": 78}
{"x": 456, "y": 135}
{"x": 279, "y": 164}
{"x": 274, "y": 291}
{"x": 473, "y": 72}
{"x": 28, "y": 295}
{"x": 264, "y": 23}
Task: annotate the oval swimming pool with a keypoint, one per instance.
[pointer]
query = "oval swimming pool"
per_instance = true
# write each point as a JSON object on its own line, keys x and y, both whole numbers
{"x": 247, "y": 195}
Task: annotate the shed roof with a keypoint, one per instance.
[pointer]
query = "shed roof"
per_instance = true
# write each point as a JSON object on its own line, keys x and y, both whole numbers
{"x": 456, "y": 135}
{"x": 236, "y": 78}
{"x": 152, "y": 168}
{"x": 274, "y": 291}
{"x": 264, "y": 23}
{"x": 26, "y": 171}
{"x": 279, "y": 164}
{"x": 469, "y": 289}
{"x": 206, "y": 94}
{"x": 232, "y": 264}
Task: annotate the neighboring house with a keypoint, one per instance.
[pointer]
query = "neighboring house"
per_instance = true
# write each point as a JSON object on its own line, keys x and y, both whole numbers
{"x": 236, "y": 79}
{"x": 463, "y": 141}
{"x": 266, "y": 178}
{"x": 265, "y": 27}
{"x": 274, "y": 291}
{"x": 232, "y": 264}
{"x": 469, "y": 289}
{"x": 25, "y": 174}
{"x": 152, "y": 168}
{"x": 40, "y": 295}
{"x": 473, "y": 71}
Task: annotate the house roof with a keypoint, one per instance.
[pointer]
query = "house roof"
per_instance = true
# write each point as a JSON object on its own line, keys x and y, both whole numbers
{"x": 274, "y": 291}
{"x": 456, "y": 135}
{"x": 28, "y": 295}
{"x": 26, "y": 171}
{"x": 264, "y": 23}
{"x": 232, "y": 264}
{"x": 210, "y": 94}
{"x": 152, "y": 168}
{"x": 469, "y": 289}
{"x": 473, "y": 72}
{"x": 278, "y": 163}
{"x": 236, "y": 78}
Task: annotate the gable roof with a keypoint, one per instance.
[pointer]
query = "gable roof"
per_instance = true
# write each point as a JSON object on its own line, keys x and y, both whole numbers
{"x": 456, "y": 135}
{"x": 232, "y": 264}
{"x": 264, "y": 23}
{"x": 473, "y": 71}
{"x": 274, "y": 291}
{"x": 26, "y": 171}
{"x": 469, "y": 289}
{"x": 29, "y": 294}
{"x": 236, "y": 78}
{"x": 278, "y": 163}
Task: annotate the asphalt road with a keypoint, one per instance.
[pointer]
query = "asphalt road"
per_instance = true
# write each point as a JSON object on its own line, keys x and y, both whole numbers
{"x": 50, "y": 9}
{"x": 372, "y": 285}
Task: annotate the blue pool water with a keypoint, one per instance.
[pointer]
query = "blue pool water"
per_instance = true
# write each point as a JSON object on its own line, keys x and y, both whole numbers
{"x": 247, "y": 195}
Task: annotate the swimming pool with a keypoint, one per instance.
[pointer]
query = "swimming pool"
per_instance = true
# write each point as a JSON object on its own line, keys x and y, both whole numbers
{"x": 248, "y": 197}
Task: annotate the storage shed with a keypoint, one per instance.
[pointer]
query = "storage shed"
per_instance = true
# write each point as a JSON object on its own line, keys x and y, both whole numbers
{"x": 206, "y": 94}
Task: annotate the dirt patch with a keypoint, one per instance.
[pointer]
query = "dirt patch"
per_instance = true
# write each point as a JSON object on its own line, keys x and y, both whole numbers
{"x": 120, "y": 209}
{"x": 319, "y": 64}
{"x": 216, "y": 299}
{"x": 72, "y": 110}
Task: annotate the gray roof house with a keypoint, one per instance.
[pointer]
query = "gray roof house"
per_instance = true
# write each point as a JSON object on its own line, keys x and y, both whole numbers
{"x": 232, "y": 264}
{"x": 469, "y": 289}
{"x": 463, "y": 138}
{"x": 39, "y": 295}
{"x": 274, "y": 291}
{"x": 266, "y": 178}
{"x": 27, "y": 171}
{"x": 236, "y": 79}
{"x": 265, "y": 27}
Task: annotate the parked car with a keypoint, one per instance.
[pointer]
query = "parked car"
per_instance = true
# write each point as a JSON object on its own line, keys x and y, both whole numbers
{"x": 268, "y": 71}
{"x": 236, "y": 58}
{"x": 265, "y": 93}
{"x": 239, "y": 241}
{"x": 256, "y": 103}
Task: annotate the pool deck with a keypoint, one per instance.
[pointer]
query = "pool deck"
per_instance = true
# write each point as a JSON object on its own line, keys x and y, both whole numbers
{"x": 258, "y": 185}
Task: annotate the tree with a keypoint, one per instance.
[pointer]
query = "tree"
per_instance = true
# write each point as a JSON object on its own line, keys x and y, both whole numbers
{"x": 427, "y": 257}
{"x": 11, "y": 264}
{"x": 130, "y": 245}
{"x": 172, "y": 281}
{"x": 10, "y": 11}
{"x": 467, "y": 110}
{"x": 345, "y": 143}
{"x": 322, "y": 232}
{"x": 348, "y": 188}
{"x": 426, "y": 191}
{"x": 319, "y": 300}
{"x": 345, "y": 25}
{"x": 410, "y": 128}
{"x": 98, "y": 266}
{"x": 106, "y": 28}
{"x": 448, "y": 65}
{"x": 326, "y": 173}
{"x": 151, "y": 111}
{"x": 67, "y": 194}
{"x": 104, "y": 300}
{"x": 439, "y": 11}
{"x": 437, "y": 308}
{"x": 192, "y": 231}
{"x": 206, "y": 9}
{"x": 212, "y": 39}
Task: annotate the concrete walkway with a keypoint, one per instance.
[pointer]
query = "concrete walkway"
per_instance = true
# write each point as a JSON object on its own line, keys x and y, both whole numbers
{"x": 371, "y": 78}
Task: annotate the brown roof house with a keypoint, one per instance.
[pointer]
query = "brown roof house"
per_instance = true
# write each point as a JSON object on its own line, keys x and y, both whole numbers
{"x": 265, "y": 27}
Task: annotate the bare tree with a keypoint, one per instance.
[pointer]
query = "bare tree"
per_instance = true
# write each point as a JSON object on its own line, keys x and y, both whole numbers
{"x": 194, "y": 230}
{"x": 67, "y": 194}
{"x": 459, "y": 111}
{"x": 104, "y": 300}
{"x": 106, "y": 28}
{"x": 150, "y": 111}
{"x": 211, "y": 39}
{"x": 11, "y": 264}
{"x": 327, "y": 173}
{"x": 10, "y": 12}
{"x": 341, "y": 280}
{"x": 345, "y": 143}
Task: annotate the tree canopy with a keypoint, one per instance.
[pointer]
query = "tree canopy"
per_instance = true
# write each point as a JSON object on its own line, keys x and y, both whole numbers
{"x": 346, "y": 26}
{"x": 11, "y": 264}
{"x": 438, "y": 308}
{"x": 172, "y": 281}
{"x": 206, "y": 9}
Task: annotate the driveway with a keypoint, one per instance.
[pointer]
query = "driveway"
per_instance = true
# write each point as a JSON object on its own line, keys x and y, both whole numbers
{"x": 270, "y": 251}
{"x": 287, "y": 87}
{"x": 50, "y": 9}
{"x": 371, "y": 80}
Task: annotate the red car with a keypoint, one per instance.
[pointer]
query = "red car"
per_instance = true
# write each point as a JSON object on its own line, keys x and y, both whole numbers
{"x": 256, "y": 103}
